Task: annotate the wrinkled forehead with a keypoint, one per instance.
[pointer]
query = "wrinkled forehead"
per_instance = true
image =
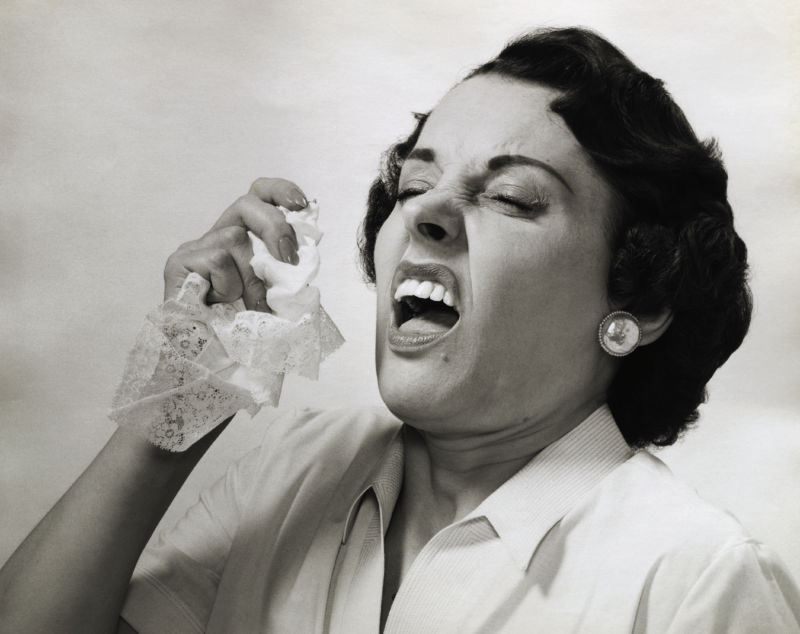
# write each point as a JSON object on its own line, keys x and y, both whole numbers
{"x": 489, "y": 115}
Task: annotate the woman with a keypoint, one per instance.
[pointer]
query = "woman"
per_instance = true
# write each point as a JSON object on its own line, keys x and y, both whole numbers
{"x": 557, "y": 279}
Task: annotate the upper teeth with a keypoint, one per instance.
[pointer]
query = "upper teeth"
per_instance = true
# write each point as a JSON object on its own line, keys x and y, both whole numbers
{"x": 424, "y": 290}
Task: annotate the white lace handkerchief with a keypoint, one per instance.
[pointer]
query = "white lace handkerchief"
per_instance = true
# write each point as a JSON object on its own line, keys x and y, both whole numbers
{"x": 194, "y": 365}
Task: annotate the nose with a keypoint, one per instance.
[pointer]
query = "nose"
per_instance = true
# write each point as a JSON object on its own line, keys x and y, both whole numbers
{"x": 433, "y": 216}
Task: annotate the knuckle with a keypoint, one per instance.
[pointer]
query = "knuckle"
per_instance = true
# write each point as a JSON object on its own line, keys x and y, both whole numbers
{"x": 232, "y": 236}
{"x": 185, "y": 246}
{"x": 173, "y": 261}
{"x": 271, "y": 185}
{"x": 218, "y": 258}
{"x": 244, "y": 200}
{"x": 260, "y": 183}
{"x": 235, "y": 209}
{"x": 254, "y": 284}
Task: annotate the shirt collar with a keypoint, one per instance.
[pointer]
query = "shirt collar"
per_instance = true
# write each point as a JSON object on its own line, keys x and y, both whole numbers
{"x": 385, "y": 480}
{"x": 532, "y": 501}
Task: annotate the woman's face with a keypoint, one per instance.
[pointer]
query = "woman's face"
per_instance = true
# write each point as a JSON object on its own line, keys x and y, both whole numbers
{"x": 500, "y": 207}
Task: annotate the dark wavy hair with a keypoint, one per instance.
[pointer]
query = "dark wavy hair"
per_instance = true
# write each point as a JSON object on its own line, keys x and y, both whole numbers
{"x": 673, "y": 243}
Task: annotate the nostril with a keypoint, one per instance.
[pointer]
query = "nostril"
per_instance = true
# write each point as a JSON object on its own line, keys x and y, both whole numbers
{"x": 431, "y": 230}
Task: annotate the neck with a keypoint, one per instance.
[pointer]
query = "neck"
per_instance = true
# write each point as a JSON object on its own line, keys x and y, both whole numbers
{"x": 448, "y": 475}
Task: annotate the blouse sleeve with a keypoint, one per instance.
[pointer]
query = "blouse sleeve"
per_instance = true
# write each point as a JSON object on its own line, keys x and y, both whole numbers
{"x": 745, "y": 588}
{"x": 175, "y": 582}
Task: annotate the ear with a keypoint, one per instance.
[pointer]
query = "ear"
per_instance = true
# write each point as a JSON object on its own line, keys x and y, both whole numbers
{"x": 653, "y": 326}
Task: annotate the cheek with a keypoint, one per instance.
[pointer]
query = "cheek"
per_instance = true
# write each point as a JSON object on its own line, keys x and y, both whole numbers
{"x": 389, "y": 247}
{"x": 544, "y": 296}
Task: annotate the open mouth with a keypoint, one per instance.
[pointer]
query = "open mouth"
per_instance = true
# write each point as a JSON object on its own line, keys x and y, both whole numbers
{"x": 424, "y": 307}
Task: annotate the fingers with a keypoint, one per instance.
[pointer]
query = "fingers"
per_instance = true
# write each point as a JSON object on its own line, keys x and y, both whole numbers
{"x": 277, "y": 191}
{"x": 257, "y": 211}
{"x": 264, "y": 220}
{"x": 222, "y": 256}
{"x": 236, "y": 242}
{"x": 216, "y": 265}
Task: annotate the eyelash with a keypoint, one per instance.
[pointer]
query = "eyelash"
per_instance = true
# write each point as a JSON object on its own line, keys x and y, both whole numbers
{"x": 528, "y": 207}
{"x": 409, "y": 193}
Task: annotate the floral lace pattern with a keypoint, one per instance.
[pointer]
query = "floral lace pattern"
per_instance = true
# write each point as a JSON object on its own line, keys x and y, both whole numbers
{"x": 194, "y": 365}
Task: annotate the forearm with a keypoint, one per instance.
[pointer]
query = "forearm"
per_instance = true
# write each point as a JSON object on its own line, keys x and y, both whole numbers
{"x": 72, "y": 572}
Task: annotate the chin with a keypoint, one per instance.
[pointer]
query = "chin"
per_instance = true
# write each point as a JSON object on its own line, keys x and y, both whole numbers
{"x": 419, "y": 396}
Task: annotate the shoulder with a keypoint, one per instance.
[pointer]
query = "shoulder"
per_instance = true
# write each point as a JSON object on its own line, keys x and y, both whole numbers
{"x": 309, "y": 431}
{"x": 320, "y": 447}
{"x": 666, "y": 511}
{"x": 744, "y": 588}
{"x": 700, "y": 569}
{"x": 642, "y": 518}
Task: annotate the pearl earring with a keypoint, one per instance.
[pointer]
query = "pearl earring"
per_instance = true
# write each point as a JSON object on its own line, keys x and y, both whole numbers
{"x": 619, "y": 333}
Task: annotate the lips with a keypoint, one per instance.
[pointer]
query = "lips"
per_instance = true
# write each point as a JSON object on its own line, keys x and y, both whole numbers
{"x": 426, "y": 304}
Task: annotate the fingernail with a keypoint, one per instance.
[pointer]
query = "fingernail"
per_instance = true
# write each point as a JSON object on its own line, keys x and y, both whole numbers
{"x": 287, "y": 250}
{"x": 300, "y": 201}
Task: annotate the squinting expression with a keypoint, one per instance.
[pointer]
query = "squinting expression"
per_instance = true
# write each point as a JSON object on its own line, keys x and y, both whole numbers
{"x": 492, "y": 267}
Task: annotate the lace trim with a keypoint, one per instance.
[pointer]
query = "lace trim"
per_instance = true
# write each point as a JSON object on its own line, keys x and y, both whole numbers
{"x": 194, "y": 365}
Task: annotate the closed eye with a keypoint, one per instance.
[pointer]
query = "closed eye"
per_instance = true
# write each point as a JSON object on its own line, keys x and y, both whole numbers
{"x": 410, "y": 192}
{"x": 526, "y": 206}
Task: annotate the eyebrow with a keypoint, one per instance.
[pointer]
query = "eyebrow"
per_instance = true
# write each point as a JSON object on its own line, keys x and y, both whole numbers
{"x": 504, "y": 160}
{"x": 496, "y": 163}
{"x": 422, "y": 154}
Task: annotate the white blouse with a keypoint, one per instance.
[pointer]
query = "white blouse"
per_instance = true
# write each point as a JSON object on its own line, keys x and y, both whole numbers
{"x": 587, "y": 537}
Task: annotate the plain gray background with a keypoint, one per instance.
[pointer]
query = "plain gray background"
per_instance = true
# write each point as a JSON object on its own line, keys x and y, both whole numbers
{"x": 126, "y": 128}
